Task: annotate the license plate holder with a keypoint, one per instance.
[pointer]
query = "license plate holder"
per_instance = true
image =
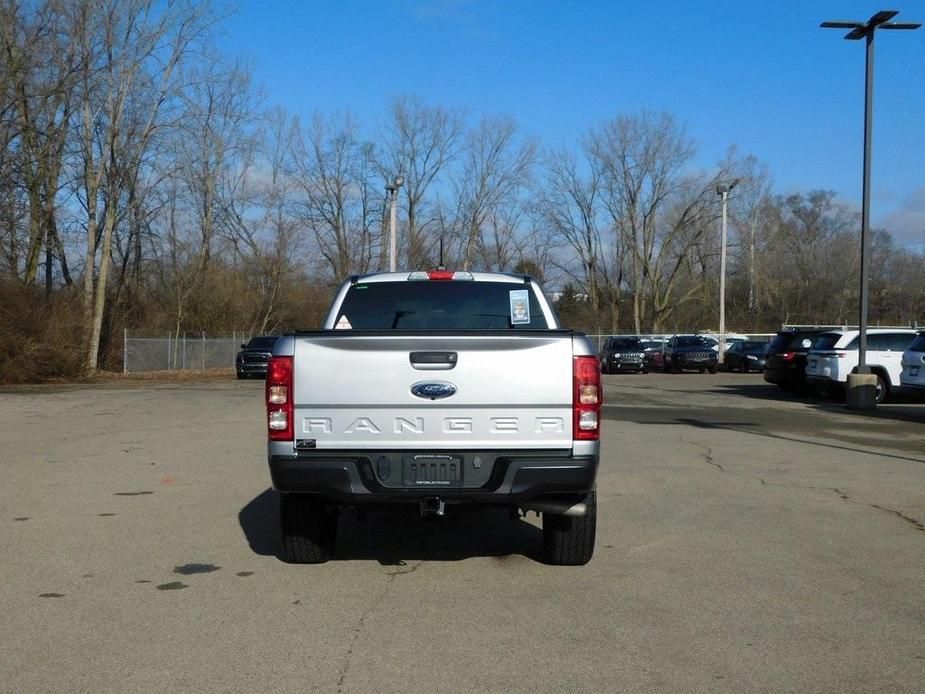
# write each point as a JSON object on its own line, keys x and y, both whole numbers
{"x": 432, "y": 470}
{"x": 812, "y": 363}
{"x": 913, "y": 371}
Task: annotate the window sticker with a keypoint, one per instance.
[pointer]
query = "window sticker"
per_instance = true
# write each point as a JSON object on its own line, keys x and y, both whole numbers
{"x": 343, "y": 324}
{"x": 520, "y": 307}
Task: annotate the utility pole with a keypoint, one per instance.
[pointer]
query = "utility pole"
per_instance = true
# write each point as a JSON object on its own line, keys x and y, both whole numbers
{"x": 724, "y": 191}
{"x": 862, "y": 388}
{"x": 392, "y": 190}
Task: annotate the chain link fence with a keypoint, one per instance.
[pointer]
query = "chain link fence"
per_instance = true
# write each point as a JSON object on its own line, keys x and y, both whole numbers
{"x": 182, "y": 351}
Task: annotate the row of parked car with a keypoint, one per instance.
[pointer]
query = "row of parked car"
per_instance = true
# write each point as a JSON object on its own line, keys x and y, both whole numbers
{"x": 822, "y": 359}
{"x": 681, "y": 353}
{"x": 797, "y": 359}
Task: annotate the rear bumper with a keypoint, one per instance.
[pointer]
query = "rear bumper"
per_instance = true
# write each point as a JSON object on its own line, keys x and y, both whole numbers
{"x": 514, "y": 478}
{"x": 788, "y": 372}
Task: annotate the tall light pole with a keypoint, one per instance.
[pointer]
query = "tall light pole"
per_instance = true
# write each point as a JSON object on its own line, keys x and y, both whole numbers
{"x": 392, "y": 190}
{"x": 724, "y": 191}
{"x": 866, "y": 30}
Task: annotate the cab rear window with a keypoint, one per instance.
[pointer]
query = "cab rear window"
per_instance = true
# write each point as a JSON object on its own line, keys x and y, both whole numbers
{"x": 441, "y": 305}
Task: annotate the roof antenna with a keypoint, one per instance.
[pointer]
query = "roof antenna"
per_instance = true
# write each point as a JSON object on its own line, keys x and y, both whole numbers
{"x": 441, "y": 266}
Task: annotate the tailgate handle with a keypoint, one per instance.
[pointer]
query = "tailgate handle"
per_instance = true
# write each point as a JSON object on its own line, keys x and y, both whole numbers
{"x": 433, "y": 361}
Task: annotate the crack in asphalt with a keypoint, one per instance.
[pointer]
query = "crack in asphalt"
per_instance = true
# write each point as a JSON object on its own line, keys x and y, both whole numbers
{"x": 918, "y": 525}
{"x": 358, "y": 627}
{"x": 707, "y": 455}
{"x": 915, "y": 523}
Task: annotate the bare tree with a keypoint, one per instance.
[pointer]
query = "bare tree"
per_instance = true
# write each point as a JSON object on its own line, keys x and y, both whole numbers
{"x": 641, "y": 158}
{"x": 39, "y": 58}
{"x": 260, "y": 213}
{"x": 129, "y": 51}
{"x": 569, "y": 204}
{"x": 495, "y": 169}
{"x": 419, "y": 142}
{"x": 333, "y": 172}
{"x": 750, "y": 209}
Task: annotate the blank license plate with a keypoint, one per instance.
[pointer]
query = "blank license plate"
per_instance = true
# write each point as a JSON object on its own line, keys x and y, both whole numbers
{"x": 432, "y": 471}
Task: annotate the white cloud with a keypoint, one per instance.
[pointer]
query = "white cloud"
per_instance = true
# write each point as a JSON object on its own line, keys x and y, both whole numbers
{"x": 907, "y": 223}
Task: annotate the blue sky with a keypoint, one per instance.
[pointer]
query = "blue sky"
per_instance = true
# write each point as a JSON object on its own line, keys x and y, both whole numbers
{"x": 757, "y": 74}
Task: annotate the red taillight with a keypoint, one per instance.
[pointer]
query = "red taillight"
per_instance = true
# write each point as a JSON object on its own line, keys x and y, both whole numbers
{"x": 440, "y": 275}
{"x": 788, "y": 356}
{"x": 279, "y": 399}
{"x": 587, "y": 396}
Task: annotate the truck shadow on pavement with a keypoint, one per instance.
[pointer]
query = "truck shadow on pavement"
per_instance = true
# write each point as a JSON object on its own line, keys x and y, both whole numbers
{"x": 396, "y": 537}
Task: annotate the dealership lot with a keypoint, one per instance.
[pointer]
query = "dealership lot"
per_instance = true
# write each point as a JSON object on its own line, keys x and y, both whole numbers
{"x": 747, "y": 541}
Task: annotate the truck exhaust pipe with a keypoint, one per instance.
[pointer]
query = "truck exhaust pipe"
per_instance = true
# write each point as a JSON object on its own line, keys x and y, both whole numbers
{"x": 432, "y": 506}
{"x": 559, "y": 508}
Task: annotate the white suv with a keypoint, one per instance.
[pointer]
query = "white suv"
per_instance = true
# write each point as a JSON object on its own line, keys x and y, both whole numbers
{"x": 835, "y": 355}
{"x": 913, "y": 375}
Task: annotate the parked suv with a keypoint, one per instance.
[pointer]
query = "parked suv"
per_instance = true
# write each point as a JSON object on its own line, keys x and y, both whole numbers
{"x": 785, "y": 362}
{"x": 254, "y": 355}
{"x": 689, "y": 352}
{"x": 623, "y": 354}
{"x": 835, "y": 355}
{"x": 913, "y": 373}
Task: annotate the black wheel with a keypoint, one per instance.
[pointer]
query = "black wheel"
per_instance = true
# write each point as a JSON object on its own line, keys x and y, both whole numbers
{"x": 883, "y": 388}
{"x": 744, "y": 367}
{"x": 711, "y": 369}
{"x": 664, "y": 367}
{"x": 701, "y": 370}
{"x": 309, "y": 528}
{"x": 569, "y": 540}
{"x": 645, "y": 369}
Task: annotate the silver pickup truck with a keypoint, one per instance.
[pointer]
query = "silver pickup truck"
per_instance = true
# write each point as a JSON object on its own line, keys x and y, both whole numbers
{"x": 442, "y": 390}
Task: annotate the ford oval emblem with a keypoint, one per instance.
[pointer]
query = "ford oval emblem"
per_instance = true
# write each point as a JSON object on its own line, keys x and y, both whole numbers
{"x": 433, "y": 390}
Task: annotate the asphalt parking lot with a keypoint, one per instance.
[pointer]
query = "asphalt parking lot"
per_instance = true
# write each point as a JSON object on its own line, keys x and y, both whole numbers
{"x": 747, "y": 541}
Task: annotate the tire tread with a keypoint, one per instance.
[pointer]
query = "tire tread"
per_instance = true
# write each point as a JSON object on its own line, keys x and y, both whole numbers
{"x": 309, "y": 529}
{"x": 569, "y": 541}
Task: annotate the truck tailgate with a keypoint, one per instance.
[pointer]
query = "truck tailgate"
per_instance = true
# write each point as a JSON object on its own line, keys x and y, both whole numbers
{"x": 354, "y": 391}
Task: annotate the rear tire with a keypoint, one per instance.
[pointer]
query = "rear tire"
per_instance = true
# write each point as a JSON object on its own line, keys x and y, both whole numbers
{"x": 569, "y": 540}
{"x": 712, "y": 369}
{"x": 744, "y": 367}
{"x": 883, "y": 388}
{"x": 309, "y": 528}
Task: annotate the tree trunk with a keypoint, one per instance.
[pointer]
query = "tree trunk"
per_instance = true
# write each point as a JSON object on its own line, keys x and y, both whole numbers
{"x": 99, "y": 299}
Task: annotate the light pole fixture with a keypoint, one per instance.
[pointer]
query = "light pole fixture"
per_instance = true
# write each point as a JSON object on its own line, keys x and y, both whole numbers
{"x": 392, "y": 190}
{"x": 866, "y": 30}
{"x": 723, "y": 190}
